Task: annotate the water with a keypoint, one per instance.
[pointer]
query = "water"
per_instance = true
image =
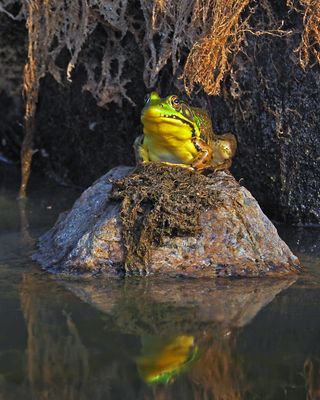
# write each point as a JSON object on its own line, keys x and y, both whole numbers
{"x": 145, "y": 338}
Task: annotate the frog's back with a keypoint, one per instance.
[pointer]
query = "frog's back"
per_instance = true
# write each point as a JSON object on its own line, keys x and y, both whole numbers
{"x": 203, "y": 120}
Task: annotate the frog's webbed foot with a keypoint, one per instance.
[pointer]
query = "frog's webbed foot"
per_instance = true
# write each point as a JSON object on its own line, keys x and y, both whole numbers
{"x": 204, "y": 157}
{"x": 140, "y": 151}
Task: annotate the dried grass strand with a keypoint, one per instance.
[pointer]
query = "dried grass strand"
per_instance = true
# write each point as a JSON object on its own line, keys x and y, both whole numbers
{"x": 208, "y": 60}
{"x": 309, "y": 47}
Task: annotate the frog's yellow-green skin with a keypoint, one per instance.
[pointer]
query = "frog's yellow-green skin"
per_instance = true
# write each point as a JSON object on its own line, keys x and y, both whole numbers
{"x": 177, "y": 134}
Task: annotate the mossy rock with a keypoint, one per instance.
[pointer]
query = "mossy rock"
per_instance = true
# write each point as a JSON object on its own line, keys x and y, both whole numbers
{"x": 169, "y": 221}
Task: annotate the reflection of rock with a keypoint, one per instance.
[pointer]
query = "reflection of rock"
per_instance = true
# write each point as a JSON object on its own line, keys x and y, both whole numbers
{"x": 208, "y": 311}
{"x": 77, "y": 352}
{"x": 236, "y": 238}
{"x": 150, "y": 306}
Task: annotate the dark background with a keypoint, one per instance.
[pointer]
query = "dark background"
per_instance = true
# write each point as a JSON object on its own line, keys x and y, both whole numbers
{"x": 268, "y": 101}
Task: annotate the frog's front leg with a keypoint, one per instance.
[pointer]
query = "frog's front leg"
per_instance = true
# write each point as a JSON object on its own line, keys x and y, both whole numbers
{"x": 140, "y": 151}
{"x": 204, "y": 157}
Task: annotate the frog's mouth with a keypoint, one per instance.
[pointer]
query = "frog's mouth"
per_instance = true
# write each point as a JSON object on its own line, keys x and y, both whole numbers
{"x": 159, "y": 118}
{"x": 175, "y": 117}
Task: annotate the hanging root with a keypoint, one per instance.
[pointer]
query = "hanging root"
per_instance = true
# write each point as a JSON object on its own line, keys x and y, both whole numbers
{"x": 208, "y": 60}
{"x": 31, "y": 88}
{"x": 309, "y": 48}
{"x": 48, "y": 34}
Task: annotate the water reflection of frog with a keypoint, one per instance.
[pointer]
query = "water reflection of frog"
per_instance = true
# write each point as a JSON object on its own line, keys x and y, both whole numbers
{"x": 164, "y": 358}
{"x": 175, "y": 133}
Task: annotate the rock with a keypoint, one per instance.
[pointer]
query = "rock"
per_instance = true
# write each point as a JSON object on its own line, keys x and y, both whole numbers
{"x": 236, "y": 238}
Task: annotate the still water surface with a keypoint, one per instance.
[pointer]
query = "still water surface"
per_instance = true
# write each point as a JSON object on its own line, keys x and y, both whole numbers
{"x": 150, "y": 339}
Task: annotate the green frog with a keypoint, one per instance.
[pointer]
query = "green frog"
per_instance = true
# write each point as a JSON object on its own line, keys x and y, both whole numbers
{"x": 177, "y": 134}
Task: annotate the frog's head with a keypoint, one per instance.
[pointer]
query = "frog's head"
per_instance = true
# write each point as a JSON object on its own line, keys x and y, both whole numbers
{"x": 167, "y": 114}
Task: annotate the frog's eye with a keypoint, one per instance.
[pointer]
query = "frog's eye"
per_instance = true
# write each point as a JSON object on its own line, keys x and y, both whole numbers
{"x": 147, "y": 98}
{"x": 175, "y": 102}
